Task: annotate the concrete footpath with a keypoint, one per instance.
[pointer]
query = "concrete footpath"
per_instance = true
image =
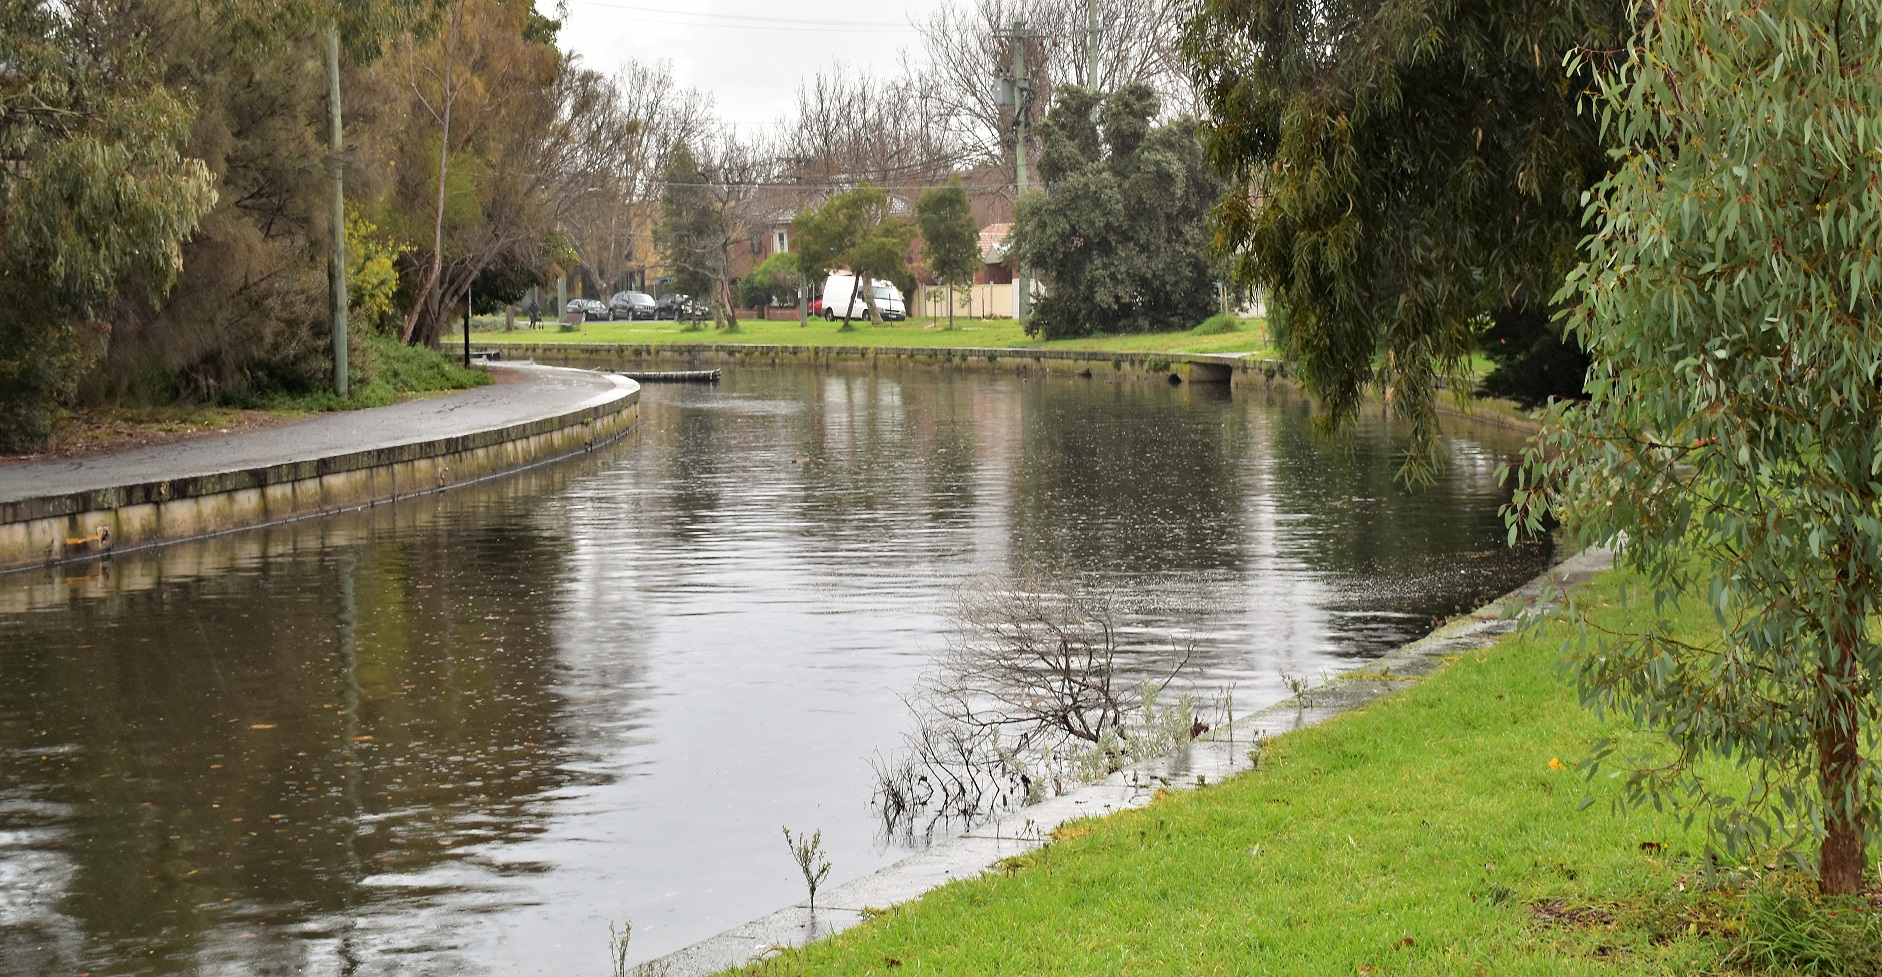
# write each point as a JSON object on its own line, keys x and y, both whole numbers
{"x": 61, "y": 509}
{"x": 539, "y": 392}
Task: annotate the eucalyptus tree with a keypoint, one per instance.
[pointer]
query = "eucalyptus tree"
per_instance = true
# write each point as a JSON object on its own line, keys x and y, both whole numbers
{"x": 1730, "y": 292}
{"x": 95, "y": 193}
{"x": 1400, "y": 169}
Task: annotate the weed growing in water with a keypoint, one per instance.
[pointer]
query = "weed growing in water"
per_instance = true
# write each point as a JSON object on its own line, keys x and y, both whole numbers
{"x": 617, "y": 946}
{"x": 1298, "y": 687}
{"x": 808, "y": 851}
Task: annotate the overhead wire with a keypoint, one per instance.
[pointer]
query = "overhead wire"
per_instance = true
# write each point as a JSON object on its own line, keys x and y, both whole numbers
{"x": 753, "y": 22}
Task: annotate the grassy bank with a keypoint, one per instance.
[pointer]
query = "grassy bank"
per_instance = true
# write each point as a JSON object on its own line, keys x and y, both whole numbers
{"x": 1439, "y": 831}
{"x": 1215, "y": 336}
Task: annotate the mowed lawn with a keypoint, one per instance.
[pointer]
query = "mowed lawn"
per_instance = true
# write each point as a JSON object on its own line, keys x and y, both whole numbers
{"x": 1440, "y": 831}
{"x": 1250, "y": 336}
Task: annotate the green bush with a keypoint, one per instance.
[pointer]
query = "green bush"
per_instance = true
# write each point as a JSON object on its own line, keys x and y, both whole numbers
{"x": 1217, "y": 325}
{"x": 382, "y": 369}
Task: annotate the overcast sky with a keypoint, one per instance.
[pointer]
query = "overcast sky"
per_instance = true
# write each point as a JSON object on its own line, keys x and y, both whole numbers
{"x": 750, "y": 54}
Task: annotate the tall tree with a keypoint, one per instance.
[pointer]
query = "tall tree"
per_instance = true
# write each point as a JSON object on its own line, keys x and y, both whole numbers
{"x": 653, "y": 114}
{"x": 950, "y": 237}
{"x": 517, "y": 140}
{"x": 709, "y": 208}
{"x": 1730, "y": 293}
{"x": 1400, "y": 169}
{"x": 1120, "y": 237}
{"x": 857, "y": 231}
{"x": 93, "y": 192}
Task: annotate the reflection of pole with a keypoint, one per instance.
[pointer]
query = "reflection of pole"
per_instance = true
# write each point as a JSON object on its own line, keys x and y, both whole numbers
{"x": 349, "y": 746}
{"x": 1021, "y": 96}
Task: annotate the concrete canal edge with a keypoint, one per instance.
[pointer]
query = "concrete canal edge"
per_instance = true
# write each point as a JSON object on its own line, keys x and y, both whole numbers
{"x": 1212, "y": 759}
{"x": 74, "y": 526}
{"x": 1230, "y": 369}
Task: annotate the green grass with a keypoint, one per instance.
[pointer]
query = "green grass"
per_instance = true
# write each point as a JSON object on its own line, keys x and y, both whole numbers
{"x": 384, "y": 371}
{"x": 1439, "y": 831}
{"x": 1248, "y": 335}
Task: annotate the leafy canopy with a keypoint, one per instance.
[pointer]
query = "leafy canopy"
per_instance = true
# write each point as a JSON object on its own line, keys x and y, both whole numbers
{"x": 949, "y": 234}
{"x": 855, "y": 230}
{"x": 94, "y": 192}
{"x": 1120, "y": 238}
{"x": 776, "y": 279}
{"x": 1731, "y": 295}
{"x": 1400, "y": 168}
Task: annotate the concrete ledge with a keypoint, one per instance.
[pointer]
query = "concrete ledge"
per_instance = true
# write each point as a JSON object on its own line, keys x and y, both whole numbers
{"x": 83, "y": 525}
{"x": 1210, "y": 760}
{"x": 1223, "y": 369}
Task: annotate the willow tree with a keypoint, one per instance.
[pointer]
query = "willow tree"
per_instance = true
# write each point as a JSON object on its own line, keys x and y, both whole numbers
{"x": 94, "y": 195}
{"x": 1401, "y": 169}
{"x": 1731, "y": 295}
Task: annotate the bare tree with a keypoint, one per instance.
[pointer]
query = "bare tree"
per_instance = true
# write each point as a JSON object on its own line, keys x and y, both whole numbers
{"x": 711, "y": 209}
{"x": 964, "y": 52}
{"x": 647, "y": 113}
{"x": 855, "y": 129}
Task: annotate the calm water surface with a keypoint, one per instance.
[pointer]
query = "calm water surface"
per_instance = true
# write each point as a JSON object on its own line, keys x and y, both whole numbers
{"x": 460, "y": 735}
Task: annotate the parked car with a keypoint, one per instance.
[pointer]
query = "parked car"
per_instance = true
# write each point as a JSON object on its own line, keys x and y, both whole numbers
{"x": 677, "y": 306}
{"x": 839, "y": 290}
{"x": 591, "y": 309}
{"x": 632, "y": 305}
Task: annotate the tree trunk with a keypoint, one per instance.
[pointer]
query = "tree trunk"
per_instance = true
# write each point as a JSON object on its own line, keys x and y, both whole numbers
{"x": 868, "y": 286}
{"x": 1839, "y": 769}
{"x": 425, "y": 301}
{"x": 849, "y": 304}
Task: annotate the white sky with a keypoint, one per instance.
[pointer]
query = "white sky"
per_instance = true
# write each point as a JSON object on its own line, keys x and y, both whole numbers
{"x": 750, "y": 54}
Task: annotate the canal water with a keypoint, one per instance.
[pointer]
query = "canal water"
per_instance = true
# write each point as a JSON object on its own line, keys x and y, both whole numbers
{"x": 462, "y": 734}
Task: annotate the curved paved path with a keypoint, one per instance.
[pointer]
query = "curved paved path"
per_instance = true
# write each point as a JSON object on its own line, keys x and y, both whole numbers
{"x": 539, "y": 392}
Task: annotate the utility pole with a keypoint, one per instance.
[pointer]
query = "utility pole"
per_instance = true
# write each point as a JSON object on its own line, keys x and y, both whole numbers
{"x": 1017, "y": 92}
{"x": 1091, "y": 46}
{"x": 336, "y": 254}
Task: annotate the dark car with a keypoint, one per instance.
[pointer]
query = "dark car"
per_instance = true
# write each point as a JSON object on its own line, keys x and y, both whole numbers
{"x": 632, "y": 305}
{"x": 676, "y": 306}
{"x": 591, "y": 309}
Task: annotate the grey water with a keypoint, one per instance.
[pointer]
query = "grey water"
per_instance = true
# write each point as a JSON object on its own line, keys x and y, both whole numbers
{"x": 464, "y": 733}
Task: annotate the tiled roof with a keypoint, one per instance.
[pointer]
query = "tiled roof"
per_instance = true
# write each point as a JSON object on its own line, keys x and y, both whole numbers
{"x": 994, "y": 244}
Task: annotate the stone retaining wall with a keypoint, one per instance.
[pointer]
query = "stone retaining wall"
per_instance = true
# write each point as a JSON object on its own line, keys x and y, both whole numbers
{"x": 82, "y": 525}
{"x": 1209, "y": 368}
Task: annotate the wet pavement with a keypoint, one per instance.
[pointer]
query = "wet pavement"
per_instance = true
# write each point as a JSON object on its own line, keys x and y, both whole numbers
{"x": 536, "y": 392}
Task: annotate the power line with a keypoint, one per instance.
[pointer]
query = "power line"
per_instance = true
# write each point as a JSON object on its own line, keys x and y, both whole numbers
{"x": 749, "y": 22}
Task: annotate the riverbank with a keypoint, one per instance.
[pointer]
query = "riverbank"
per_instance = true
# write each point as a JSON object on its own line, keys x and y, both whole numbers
{"x": 1441, "y": 830}
{"x": 73, "y": 508}
{"x": 1250, "y": 337}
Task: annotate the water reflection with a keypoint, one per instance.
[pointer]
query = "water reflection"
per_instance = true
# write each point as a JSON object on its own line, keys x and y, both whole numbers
{"x": 461, "y": 734}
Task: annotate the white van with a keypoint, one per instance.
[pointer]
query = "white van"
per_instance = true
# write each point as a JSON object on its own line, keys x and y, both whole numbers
{"x": 839, "y": 290}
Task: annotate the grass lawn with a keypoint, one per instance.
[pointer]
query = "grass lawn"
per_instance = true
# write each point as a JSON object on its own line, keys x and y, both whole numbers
{"x": 1439, "y": 831}
{"x": 1250, "y": 336}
